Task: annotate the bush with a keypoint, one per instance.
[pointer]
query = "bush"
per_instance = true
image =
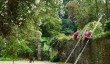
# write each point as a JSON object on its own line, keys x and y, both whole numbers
{"x": 107, "y": 28}
{"x": 54, "y": 58}
{"x": 9, "y": 58}
{"x": 107, "y": 25}
{"x": 46, "y": 55}
{"x": 107, "y": 34}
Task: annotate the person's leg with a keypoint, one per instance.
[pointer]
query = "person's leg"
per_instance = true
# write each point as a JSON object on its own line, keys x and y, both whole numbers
{"x": 33, "y": 59}
{"x": 30, "y": 59}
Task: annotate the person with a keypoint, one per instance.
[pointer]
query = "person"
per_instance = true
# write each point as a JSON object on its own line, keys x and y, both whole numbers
{"x": 86, "y": 38}
{"x": 87, "y": 35}
{"x": 31, "y": 59}
{"x": 75, "y": 35}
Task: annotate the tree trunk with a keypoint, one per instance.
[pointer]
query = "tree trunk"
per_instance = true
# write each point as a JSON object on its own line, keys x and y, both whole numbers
{"x": 96, "y": 7}
{"x": 12, "y": 9}
{"x": 106, "y": 9}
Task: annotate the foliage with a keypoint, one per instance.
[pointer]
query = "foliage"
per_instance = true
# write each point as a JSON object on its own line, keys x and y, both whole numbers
{"x": 46, "y": 55}
{"x": 57, "y": 45}
{"x": 107, "y": 34}
{"x": 107, "y": 25}
{"x": 54, "y": 56}
{"x": 9, "y": 59}
{"x": 24, "y": 48}
{"x": 23, "y": 22}
{"x": 68, "y": 27}
{"x": 51, "y": 28}
{"x": 85, "y": 11}
{"x": 50, "y": 22}
{"x": 2, "y": 44}
{"x": 62, "y": 36}
{"x": 98, "y": 31}
{"x": 58, "y": 41}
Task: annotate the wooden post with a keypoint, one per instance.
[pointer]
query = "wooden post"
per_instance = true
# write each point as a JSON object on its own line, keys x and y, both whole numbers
{"x": 39, "y": 45}
{"x": 39, "y": 50}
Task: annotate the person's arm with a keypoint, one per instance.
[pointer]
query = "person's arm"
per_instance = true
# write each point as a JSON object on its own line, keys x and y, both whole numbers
{"x": 88, "y": 37}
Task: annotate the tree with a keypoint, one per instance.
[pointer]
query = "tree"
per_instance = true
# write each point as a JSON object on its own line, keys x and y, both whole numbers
{"x": 20, "y": 21}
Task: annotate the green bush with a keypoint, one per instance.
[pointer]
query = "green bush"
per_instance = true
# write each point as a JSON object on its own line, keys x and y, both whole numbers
{"x": 46, "y": 55}
{"x": 23, "y": 47}
{"x": 107, "y": 28}
{"x": 98, "y": 32}
{"x": 107, "y": 25}
{"x": 107, "y": 34}
{"x": 54, "y": 58}
{"x": 9, "y": 58}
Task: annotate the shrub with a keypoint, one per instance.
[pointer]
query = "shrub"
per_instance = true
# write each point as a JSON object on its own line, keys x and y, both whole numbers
{"x": 107, "y": 25}
{"x": 54, "y": 58}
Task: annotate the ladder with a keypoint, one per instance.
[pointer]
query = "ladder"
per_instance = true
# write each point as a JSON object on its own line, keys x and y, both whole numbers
{"x": 87, "y": 41}
{"x": 84, "y": 45}
{"x": 83, "y": 32}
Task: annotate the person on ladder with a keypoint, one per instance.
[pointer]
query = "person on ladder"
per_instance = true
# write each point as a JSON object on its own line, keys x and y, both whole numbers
{"x": 75, "y": 36}
{"x": 86, "y": 38}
